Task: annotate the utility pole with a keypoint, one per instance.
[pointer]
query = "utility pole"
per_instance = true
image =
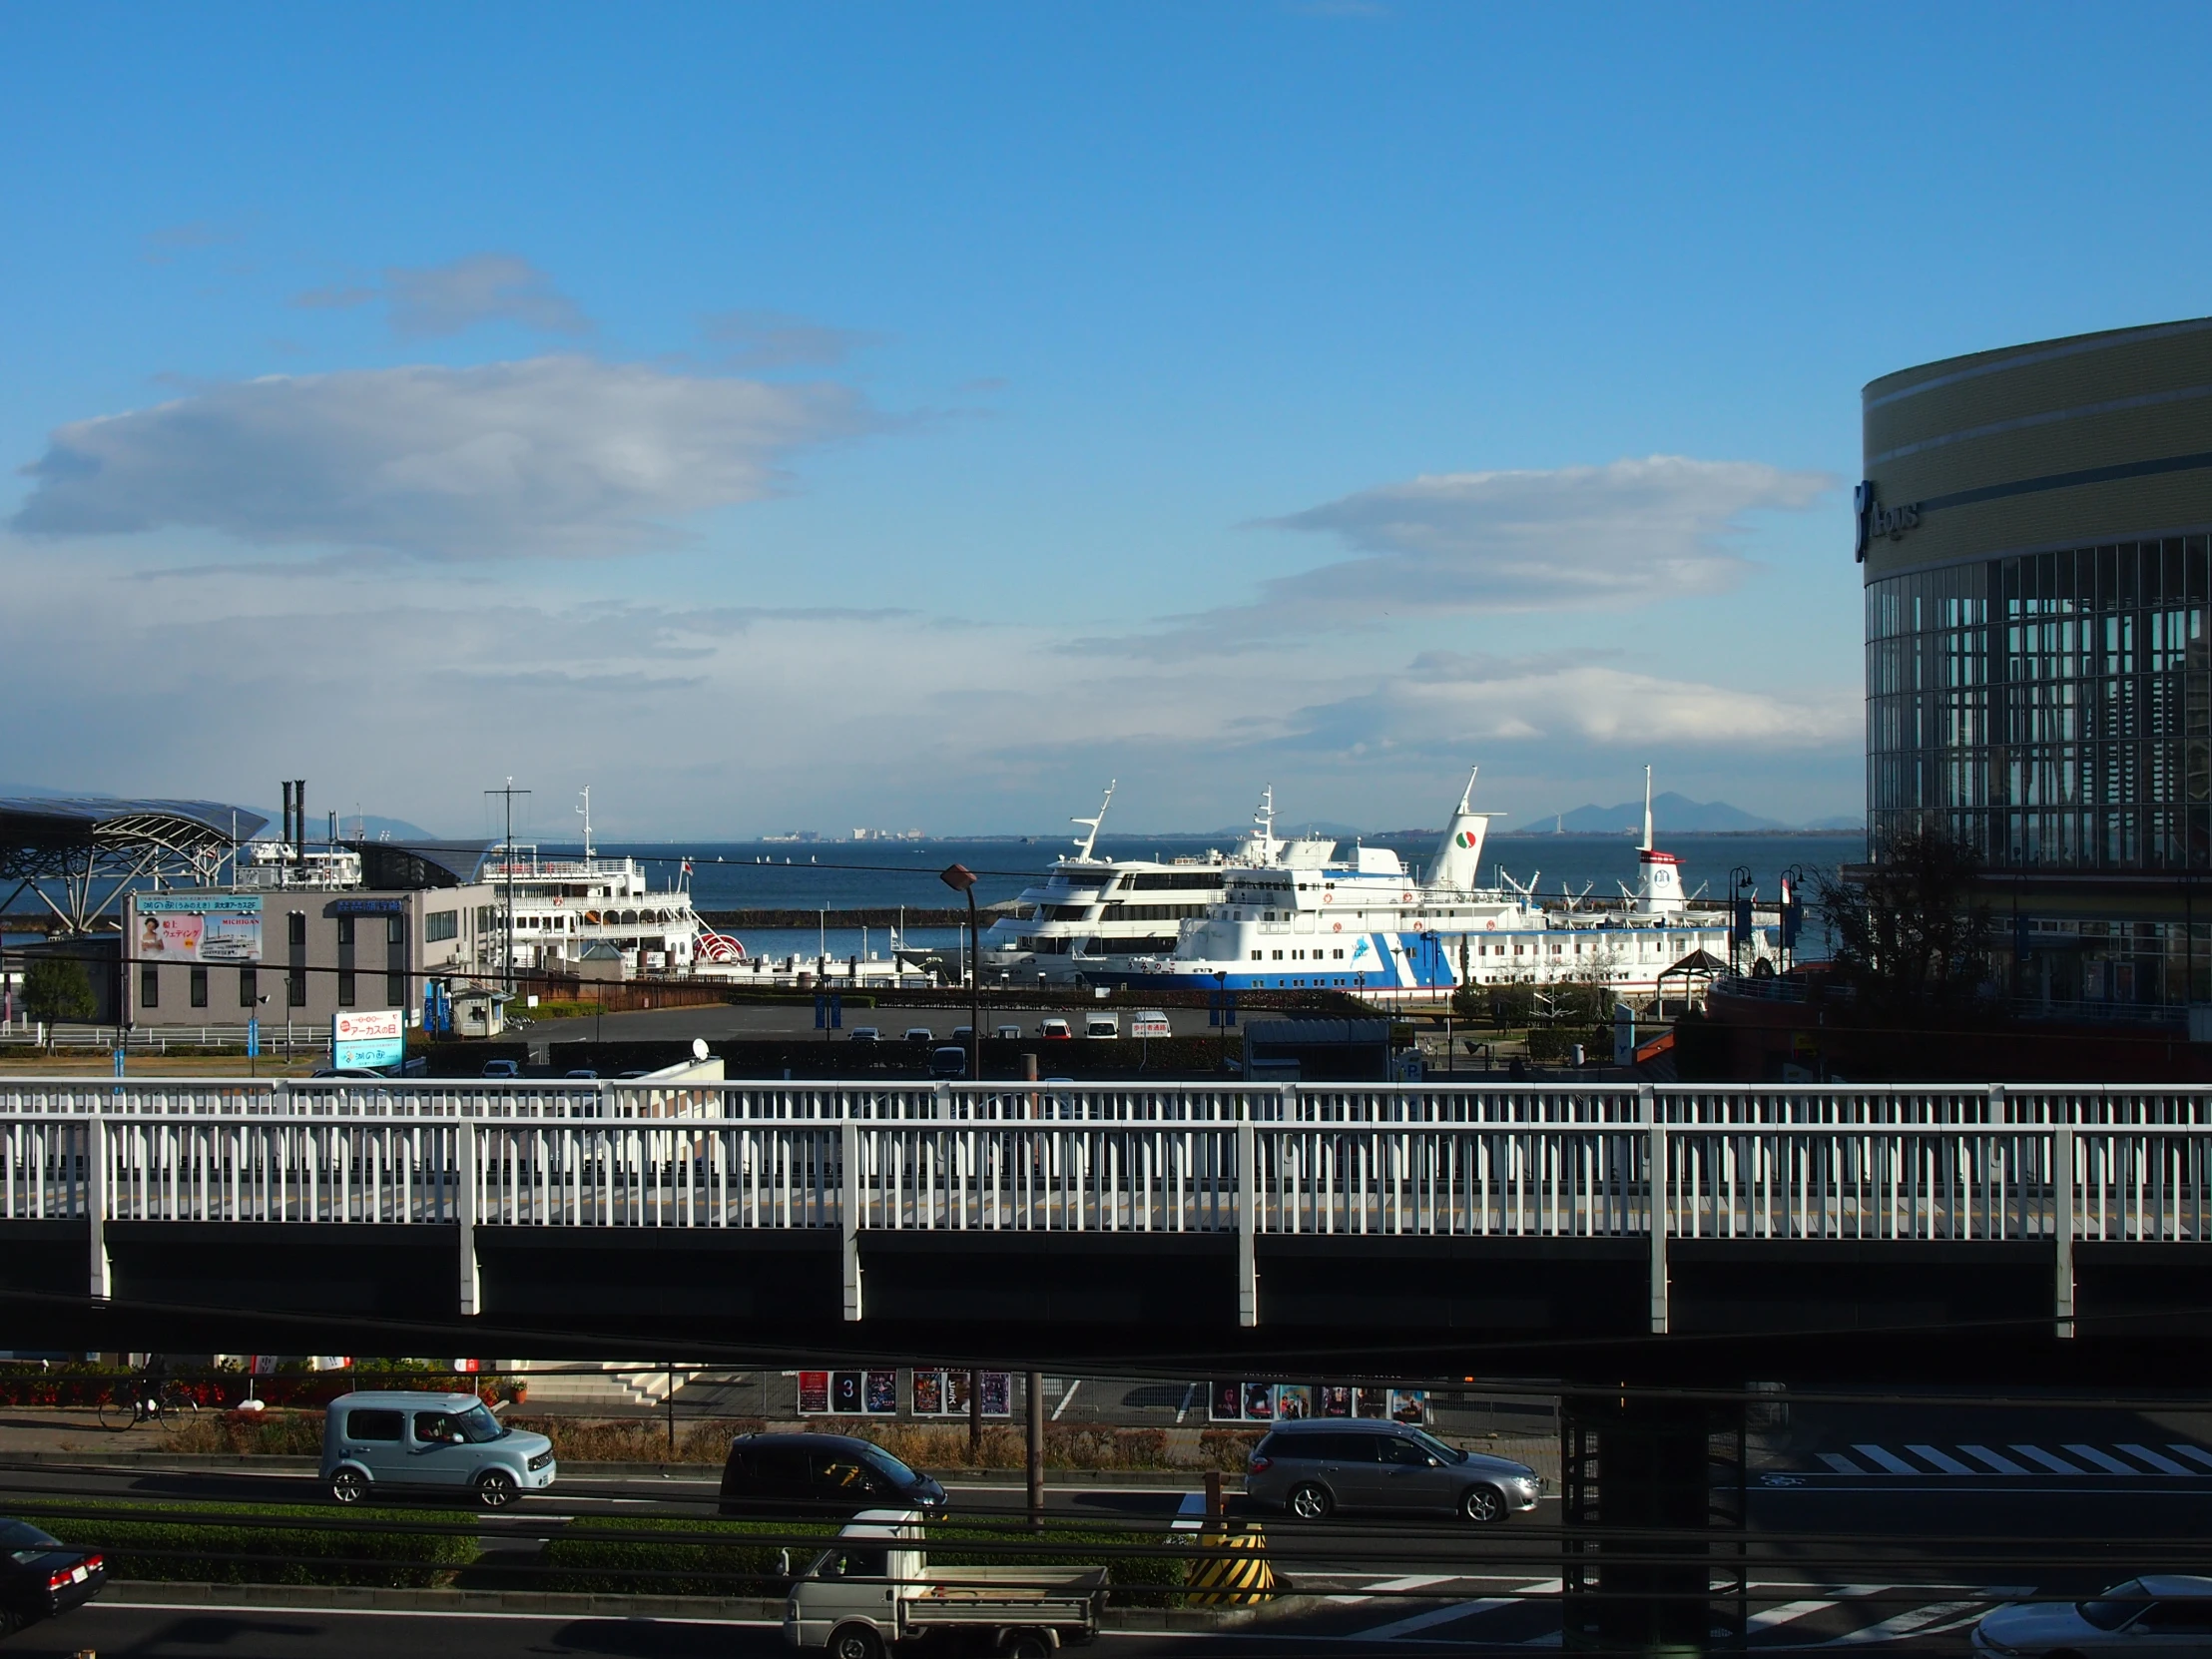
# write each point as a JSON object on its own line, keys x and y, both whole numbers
{"x": 507, "y": 856}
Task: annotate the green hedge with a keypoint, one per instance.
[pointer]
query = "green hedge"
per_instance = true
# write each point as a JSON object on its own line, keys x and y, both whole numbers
{"x": 227, "y": 1543}
{"x": 656, "y": 1565}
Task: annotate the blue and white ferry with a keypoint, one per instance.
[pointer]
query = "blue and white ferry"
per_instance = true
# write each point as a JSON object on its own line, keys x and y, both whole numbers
{"x": 1372, "y": 927}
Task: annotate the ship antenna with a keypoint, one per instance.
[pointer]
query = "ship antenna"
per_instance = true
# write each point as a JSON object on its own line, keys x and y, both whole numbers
{"x": 1647, "y": 809}
{"x": 1466, "y": 796}
{"x": 1084, "y": 847}
{"x": 1263, "y": 822}
{"x": 584, "y": 808}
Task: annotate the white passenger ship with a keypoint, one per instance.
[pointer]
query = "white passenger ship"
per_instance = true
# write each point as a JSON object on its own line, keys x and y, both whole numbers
{"x": 1093, "y": 915}
{"x": 1369, "y": 927}
{"x": 568, "y": 910}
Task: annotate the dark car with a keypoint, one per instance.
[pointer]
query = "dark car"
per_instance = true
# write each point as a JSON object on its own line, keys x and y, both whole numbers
{"x": 820, "y": 1474}
{"x": 41, "y": 1577}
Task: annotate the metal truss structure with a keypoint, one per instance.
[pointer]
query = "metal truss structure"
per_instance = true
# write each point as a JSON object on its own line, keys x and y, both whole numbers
{"x": 79, "y": 856}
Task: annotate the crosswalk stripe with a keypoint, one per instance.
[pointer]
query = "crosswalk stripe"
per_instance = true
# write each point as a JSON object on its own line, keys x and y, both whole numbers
{"x": 1791, "y": 1611}
{"x": 2157, "y": 1461}
{"x": 1189, "y": 1512}
{"x": 1840, "y": 1464}
{"x": 2103, "y": 1459}
{"x": 1904, "y": 1624}
{"x": 1458, "y": 1611}
{"x": 1941, "y": 1459}
{"x": 1996, "y": 1459}
{"x": 2195, "y": 1454}
{"x": 1887, "y": 1460}
{"x": 1386, "y": 1586}
{"x": 2056, "y": 1465}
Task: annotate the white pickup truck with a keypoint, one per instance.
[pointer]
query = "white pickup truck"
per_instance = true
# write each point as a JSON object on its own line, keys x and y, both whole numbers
{"x": 874, "y": 1590}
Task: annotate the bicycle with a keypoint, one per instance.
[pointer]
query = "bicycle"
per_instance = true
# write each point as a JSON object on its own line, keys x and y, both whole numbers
{"x": 132, "y": 1408}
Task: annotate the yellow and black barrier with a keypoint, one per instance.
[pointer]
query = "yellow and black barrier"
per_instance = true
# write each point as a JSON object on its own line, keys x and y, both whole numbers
{"x": 1232, "y": 1569}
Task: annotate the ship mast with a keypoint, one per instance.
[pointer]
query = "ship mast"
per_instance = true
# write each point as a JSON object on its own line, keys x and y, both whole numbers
{"x": 1084, "y": 847}
{"x": 584, "y": 808}
{"x": 1647, "y": 809}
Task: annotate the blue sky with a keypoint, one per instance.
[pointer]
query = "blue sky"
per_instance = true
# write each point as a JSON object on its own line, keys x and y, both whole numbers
{"x": 809, "y": 417}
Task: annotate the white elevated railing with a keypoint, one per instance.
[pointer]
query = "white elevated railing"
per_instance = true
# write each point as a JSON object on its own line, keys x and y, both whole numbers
{"x": 1960, "y": 1166}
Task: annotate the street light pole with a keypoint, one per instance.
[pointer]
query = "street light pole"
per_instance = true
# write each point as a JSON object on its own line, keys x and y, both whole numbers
{"x": 963, "y": 879}
{"x": 507, "y": 854}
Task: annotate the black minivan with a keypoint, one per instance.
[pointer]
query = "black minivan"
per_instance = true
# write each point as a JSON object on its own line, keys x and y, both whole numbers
{"x": 820, "y": 1474}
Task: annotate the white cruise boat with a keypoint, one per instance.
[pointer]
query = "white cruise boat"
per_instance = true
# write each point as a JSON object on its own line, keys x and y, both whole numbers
{"x": 566, "y": 907}
{"x": 1369, "y": 927}
{"x": 1093, "y": 915}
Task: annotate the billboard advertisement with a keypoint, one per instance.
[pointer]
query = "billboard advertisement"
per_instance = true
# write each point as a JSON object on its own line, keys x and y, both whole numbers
{"x": 368, "y": 1037}
{"x": 204, "y": 927}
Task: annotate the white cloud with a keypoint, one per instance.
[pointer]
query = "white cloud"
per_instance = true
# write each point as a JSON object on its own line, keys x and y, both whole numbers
{"x": 437, "y": 301}
{"x": 551, "y": 455}
{"x": 1612, "y": 536}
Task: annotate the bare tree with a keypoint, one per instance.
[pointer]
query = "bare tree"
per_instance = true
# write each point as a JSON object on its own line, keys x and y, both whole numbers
{"x": 1912, "y": 936}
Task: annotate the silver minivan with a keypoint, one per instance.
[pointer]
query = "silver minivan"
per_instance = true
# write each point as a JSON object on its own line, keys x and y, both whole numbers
{"x": 438, "y": 1442}
{"x": 1313, "y": 1467}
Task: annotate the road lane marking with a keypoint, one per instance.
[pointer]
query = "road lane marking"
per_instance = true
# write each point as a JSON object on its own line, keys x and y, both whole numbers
{"x": 2056, "y": 1465}
{"x": 1189, "y": 1513}
{"x": 1941, "y": 1459}
{"x": 111, "y": 1603}
{"x": 2157, "y": 1461}
{"x": 1996, "y": 1459}
{"x": 1458, "y": 1610}
{"x": 1391, "y": 1585}
{"x": 1840, "y": 1464}
{"x": 2103, "y": 1459}
{"x": 1887, "y": 1460}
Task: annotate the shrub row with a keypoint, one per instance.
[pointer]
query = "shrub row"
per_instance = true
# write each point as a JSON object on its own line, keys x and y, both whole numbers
{"x": 268, "y": 1543}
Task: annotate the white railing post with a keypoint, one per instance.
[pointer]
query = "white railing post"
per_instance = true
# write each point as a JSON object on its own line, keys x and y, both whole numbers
{"x": 2062, "y": 1181}
{"x": 464, "y": 1163}
{"x": 1247, "y": 1219}
{"x": 848, "y": 1221}
{"x": 1655, "y": 1133}
{"x": 96, "y": 1205}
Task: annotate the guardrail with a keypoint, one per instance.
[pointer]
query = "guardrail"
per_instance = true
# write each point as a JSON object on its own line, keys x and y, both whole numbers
{"x": 1958, "y": 1166}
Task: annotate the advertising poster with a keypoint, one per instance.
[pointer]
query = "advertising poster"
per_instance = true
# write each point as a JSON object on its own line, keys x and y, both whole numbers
{"x": 813, "y": 1393}
{"x": 845, "y": 1393}
{"x": 998, "y": 1394}
{"x": 207, "y": 927}
{"x": 1259, "y": 1403}
{"x": 928, "y": 1393}
{"x": 1292, "y": 1401}
{"x": 368, "y": 1037}
{"x": 955, "y": 1394}
{"x": 1409, "y": 1405}
{"x": 1224, "y": 1401}
{"x": 1372, "y": 1403}
{"x": 1336, "y": 1400}
{"x": 881, "y": 1396}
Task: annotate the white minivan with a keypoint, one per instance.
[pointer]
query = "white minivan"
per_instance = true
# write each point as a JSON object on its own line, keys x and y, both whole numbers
{"x": 449, "y": 1443}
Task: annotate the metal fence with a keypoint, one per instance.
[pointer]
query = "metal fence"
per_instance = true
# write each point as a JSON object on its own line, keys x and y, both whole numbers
{"x": 1963, "y": 1166}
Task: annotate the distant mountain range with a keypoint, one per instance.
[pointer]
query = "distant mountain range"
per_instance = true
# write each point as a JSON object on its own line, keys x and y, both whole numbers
{"x": 1678, "y": 815}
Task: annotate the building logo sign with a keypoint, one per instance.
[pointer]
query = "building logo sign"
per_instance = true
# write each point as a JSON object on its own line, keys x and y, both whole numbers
{"x": 1877, "y": 520}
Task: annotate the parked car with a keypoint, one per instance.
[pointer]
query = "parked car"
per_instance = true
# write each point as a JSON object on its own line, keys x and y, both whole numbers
{"x": 1007, "y": 1033}
{"x": 818, "y": 1475}
{"x": 41, "y": 1577}
{"x": 451, "y": 1443}
{"x": 948, "y": 1061}
{"x": 865, "y": 1034}
{"x": 354, "y": 1074}
{"x": 1106, "y": 1026}
{"x": 2159, "y": 1612}
{"x": 1051, "y": 1029}
{"x": 502, "y": 1068}
{"x": 1311, "y": 1469}
{"x": 920, "y": 1035}
{"x": 581, "y": 1074}
{"x": 963, "y": 1033}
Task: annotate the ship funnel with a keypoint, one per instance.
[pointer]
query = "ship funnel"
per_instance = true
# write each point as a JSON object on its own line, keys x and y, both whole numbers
{"x": 1459, "y": 858}
{"x": 1658, "y": 875}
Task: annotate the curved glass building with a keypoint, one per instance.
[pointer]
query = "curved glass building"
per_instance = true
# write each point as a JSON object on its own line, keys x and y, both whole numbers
{"x": 2035, "y": 526}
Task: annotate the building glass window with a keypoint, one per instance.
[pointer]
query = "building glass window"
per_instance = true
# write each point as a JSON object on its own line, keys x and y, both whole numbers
{"x": 295, "y": 927}
{"x": 395, "y": 990}
{"x": 249, "y": 987}
{"x": 199, "y": 987}
{"x": 296, "y": 989}
{"x": 345, "y": 988}
{"x": 441, "y": 924}
{"x": 149, "y": 986}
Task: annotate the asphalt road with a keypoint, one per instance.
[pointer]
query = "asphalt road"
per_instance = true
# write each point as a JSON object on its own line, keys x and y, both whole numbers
{"x": 1883, "y": 1527}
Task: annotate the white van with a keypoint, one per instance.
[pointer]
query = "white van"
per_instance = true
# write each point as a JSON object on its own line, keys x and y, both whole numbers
{"x": 1102, "y": 1026}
